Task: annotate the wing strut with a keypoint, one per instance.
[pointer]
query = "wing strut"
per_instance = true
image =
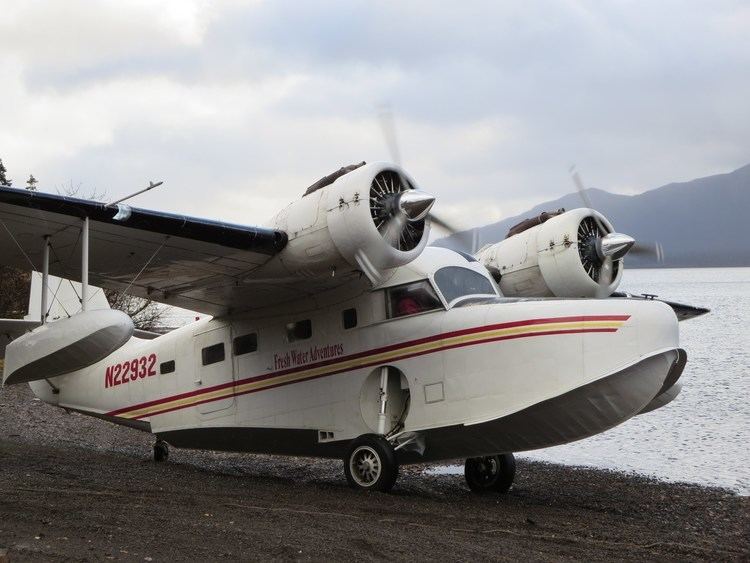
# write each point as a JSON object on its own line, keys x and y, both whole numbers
{"x": 45, "y": 277}
{"x": 85, "y": 264}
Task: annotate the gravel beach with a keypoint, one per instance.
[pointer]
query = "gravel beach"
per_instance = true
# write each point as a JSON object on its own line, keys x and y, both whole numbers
{"x": 76, "y": 488}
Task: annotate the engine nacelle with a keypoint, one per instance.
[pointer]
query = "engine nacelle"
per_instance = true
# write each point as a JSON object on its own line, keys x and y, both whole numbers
{"x": 350, "y": 224}
{"x": 554, "y": 259}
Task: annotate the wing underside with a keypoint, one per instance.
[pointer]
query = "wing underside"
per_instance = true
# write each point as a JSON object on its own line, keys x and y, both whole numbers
{"x": 194, "y": 263}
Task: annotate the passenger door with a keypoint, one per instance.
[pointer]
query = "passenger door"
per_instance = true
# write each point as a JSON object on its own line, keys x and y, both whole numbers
{"x": 212, "y": 351}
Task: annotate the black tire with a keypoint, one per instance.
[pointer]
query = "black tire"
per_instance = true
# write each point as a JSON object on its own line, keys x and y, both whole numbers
{"x": 161, "y": 451}
{"x": 494, "y": 473}
{"x": 370, "y": 464}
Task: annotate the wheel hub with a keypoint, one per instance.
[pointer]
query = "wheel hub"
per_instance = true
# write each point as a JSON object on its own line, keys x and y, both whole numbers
{"x": 487, "y": 470}
{"x": 365, "y": 466}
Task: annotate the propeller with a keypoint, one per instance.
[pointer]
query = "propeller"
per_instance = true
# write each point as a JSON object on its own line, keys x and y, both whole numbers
{"x": 651, "y": 250}
{"x": 613, "y": 246}
{"x": 600, "y": 248}
{"x": 399, "y": 213}
{"x": 398, "y": 210}
{"x": 467, "y": 240}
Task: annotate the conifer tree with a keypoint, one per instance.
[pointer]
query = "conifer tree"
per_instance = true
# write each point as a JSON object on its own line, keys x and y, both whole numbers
{"x": 31, "y": 183}
{"x": 4, "y": 181}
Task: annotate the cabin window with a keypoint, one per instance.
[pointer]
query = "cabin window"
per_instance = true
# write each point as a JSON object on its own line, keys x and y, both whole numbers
{"x": 166, "y": 367}
{"x": 454, "y": 282}
{"x": 245, "y": 344}
{"x": 410, "y": 299}
{"x": 213, "y": 354}
{"x": 300, "y": 330}
{"x": 349, "y": 318}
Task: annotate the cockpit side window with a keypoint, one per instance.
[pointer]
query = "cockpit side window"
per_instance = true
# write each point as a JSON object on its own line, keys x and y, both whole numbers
{"x": 410, "y": 299}
{"x": 454, "y": 282}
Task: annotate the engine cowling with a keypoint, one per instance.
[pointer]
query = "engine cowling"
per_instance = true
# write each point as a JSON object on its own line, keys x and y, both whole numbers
{"x": 357, "y": 222}
{"x": 558, "y": 258}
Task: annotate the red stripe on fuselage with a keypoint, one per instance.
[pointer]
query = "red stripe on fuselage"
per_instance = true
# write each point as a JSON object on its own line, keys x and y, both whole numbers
{"x": 336, "y": 372}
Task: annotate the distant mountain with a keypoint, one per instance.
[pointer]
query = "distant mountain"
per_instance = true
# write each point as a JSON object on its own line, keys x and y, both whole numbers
{"x": 703, "y": 222}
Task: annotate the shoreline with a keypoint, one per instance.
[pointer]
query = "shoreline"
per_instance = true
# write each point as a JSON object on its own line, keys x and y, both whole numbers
{"x": 456, "y": 468}
{"x": 73, "y": 487}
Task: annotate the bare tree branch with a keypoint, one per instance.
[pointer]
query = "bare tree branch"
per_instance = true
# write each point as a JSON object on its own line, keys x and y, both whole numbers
{"x": 15, "y": 285}
{"x": 145, "y": 313}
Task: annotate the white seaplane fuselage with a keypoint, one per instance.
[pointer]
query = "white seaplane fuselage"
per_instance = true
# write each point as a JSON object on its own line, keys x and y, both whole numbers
{"x": 475, "y": 376}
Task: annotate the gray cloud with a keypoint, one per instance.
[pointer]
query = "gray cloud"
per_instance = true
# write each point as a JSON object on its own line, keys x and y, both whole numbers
{"x": 239, "y": 106}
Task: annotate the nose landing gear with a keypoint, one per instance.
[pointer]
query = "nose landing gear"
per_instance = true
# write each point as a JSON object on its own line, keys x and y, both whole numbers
{"x": 490, "y": 473}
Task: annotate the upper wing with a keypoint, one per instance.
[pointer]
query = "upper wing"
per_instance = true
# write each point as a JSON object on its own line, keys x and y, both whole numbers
{"x": 193, "y": 263}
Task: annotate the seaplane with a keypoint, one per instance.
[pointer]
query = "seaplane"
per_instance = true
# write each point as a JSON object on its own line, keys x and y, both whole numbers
{"x": 335, "y": 330}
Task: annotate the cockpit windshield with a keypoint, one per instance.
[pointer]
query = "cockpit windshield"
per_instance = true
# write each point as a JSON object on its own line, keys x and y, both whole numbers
{"x": 410, "y": 299}
{"x": 455, "y": 281}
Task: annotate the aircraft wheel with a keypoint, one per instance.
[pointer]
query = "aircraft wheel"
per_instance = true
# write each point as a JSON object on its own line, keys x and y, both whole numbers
{"x": 161, "y": 451}
{"x": 493, "y": 473}
{"x": 370, "y": 464}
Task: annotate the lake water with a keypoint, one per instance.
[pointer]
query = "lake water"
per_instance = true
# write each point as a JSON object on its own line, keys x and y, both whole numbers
{"x": 703, "y": 436}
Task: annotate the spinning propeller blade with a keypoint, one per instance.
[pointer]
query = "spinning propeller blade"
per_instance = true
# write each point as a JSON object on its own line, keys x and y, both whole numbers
{"x": 388, "y": 124}
{"x": 651, "y": 250}
{"x": 606, "y": 276}
{"x": 393, "y": 227}
{"x": 603, "y": 244}
{"x": 580, "y": 187}
{"x": 467, "y": 240}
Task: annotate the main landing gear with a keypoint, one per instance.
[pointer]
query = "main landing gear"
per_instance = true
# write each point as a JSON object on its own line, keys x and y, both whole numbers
{"x": 161, "y": 451}
{"x": 492, "y": 473}
{"x": 371, "y": 464}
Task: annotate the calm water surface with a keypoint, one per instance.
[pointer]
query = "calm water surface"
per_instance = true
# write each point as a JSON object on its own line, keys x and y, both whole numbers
{"x": 703, "y": 436}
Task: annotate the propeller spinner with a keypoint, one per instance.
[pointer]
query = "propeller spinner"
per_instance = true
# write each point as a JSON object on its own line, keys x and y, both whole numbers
{"x": 415, "y": 204}
{"x": 614, "y": 246}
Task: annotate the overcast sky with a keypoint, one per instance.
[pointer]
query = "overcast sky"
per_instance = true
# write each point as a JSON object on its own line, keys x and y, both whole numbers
{"x": 239, "y": 106}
